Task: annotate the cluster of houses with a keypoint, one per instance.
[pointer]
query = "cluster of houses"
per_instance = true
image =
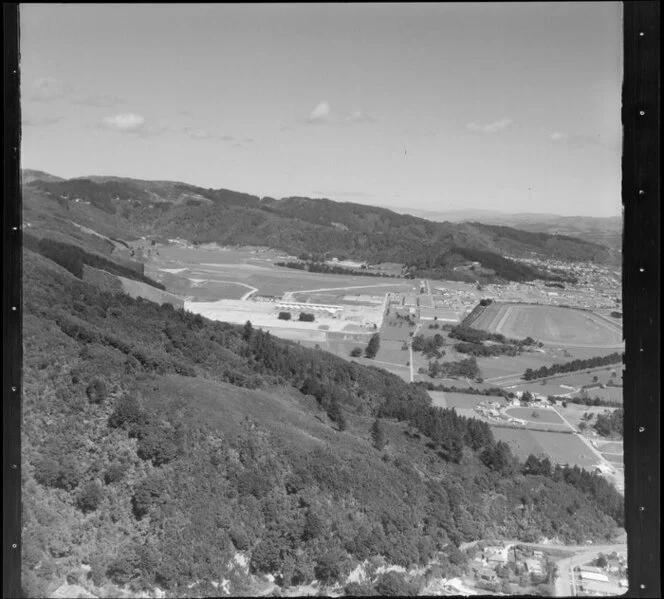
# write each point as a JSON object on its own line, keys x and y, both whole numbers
{"x": 597, "y": 288}
{"x": 508, "y": 561}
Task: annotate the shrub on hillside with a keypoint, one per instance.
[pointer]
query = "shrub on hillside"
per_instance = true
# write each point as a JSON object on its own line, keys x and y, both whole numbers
{"x": 96, "y": 391}
{"x": 127, "y": 414}
{"x": 393, "y": 584}
{"x": 115, "y": 472}
{"x": 158, "y": 443}
{"x": 89, "y": 497}
{"x": 331, "y": 566}
{"x": 149, "y": 492}
{"x": 59, "y": 473}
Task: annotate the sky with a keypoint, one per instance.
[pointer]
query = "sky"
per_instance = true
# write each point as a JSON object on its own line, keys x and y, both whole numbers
{"x": 496, "y": 106}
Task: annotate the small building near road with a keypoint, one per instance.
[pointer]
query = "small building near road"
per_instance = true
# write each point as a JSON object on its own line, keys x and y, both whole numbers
{"x": 600, "y": 589}
{"x": 594, "y": 576}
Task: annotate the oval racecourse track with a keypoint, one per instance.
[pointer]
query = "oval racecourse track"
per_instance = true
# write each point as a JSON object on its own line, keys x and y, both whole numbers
{"x": 544, "y": 416}
{"x": 551, "y": 325}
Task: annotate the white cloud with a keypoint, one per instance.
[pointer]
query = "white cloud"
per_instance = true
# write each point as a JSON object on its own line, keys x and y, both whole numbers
{"x": 359, "y": 116}
{"x": 320, "y": 114}
{"x": 576, "y": 140}
{"x": 197, "y": 133}
{"x": 557, "y": 136}
{"x": 47, "y": 89}
{"x": 495, "y": 127}
{"x": 125, "y": 123}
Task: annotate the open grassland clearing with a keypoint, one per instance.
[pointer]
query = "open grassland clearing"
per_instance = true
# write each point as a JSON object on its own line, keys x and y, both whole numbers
{"x": 459, "y": 401}
{"x": 614, "y": 458}
{"x": 586, "y": 377}
{"x": 390, "y": 351}
{"x": 574, "y": 414}
{"x": 395, "y": 329}
{"x": 498, "y": 366}
{"x": 256, "y": 268}
{"x": 148, "y": 292}
{"x": 561, "y": 448}
{"x": 581, "y": 353}
{"x": 288, "y": 414}
{"x": 210, "y": 290}
{"x": 610, "y": 446}
{"x": 549, "y": 324}
{"x": 612, "y": 394}
{"x": 568, "y": 384}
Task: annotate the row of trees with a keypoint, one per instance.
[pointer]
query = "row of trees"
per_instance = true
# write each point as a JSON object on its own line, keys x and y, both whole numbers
{"x": 482, "y": 351}
{"x": 492, "y": 391}
{"x": 468, "y": 334}
{"x": 331, "y": 269}
{"x": 466, "y": 368}
{"x": 574, "y": 365}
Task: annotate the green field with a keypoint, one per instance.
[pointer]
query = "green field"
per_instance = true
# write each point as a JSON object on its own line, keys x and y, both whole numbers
{"x": 565, "y": 384}
{"x": 573, "y": 413}
{"x": 549, "y": 324}
{"x": 504, "y": 365}
{"x": 544, "y": 416}
{"x": 610, "y": 447}
{"x": 561, "y": 448}
{"x": 460, "y": 401}
{"x": 358, "y": 286}
{"x": 253, "y": 268}
{"x": 614, "y": 458}
{"x": 614, "y": 394}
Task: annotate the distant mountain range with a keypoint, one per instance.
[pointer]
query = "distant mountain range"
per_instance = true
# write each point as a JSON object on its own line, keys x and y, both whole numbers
{"x": 319, "y": 228}
{"x": 606, "y": 231}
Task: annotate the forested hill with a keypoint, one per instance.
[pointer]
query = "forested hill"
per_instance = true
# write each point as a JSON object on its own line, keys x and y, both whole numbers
{"x": 161, "y": 449}
{"x": 304, "y": 225}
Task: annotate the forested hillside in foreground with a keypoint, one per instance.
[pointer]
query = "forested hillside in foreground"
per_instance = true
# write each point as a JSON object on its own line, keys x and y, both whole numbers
{"x": 157, "y": 445}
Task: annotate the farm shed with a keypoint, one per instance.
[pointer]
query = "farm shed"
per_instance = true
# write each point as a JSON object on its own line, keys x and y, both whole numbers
{"x": 595, "y": 569}
{"x": 601, "y": 588}
{"x": 595, "y": 576}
